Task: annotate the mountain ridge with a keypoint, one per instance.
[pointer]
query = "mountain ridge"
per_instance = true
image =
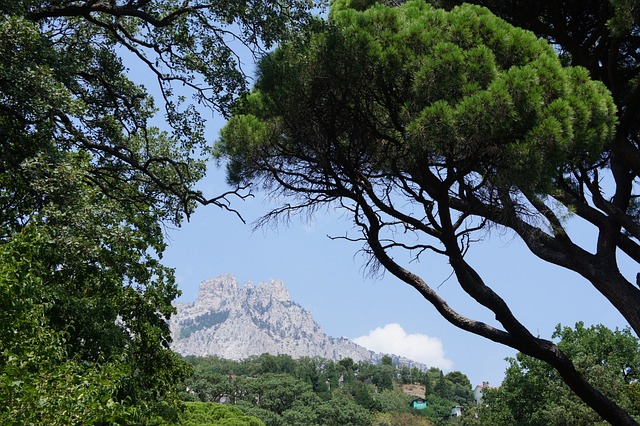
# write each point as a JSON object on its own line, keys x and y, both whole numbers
{"x": 236, "y": 321}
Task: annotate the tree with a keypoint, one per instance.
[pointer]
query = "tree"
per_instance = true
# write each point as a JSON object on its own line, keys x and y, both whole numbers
{"x": 210, "y": 414}
{"x": 533, "y": 393}
{"x": 428, "y": 384}
{"x": 66, "y": 88}
{"x": 362, "y": 395}
{"x": 344, "y": 412}
{"x": 602, "y": 38}
{"x": 347, "y": 364}
{"x": 97, "y": 300}
{"x": 383, "y": 373}
{"x": 281, "y": 363}
{"x": 88, "y": 183}
{"x": 400, "y": 419}
{"x": 404, "y": 374}
{"x": 441, "y": 389}
{"x": 459, "y": 387}
{"x": 478, "y": 124}
{"x": 39, "y": 382}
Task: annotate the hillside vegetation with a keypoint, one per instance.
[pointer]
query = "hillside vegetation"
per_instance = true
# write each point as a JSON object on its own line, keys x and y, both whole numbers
{"x": 280, "y": 390}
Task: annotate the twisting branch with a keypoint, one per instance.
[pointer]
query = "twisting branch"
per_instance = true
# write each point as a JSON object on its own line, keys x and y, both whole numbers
{"x": 133, "y": 11}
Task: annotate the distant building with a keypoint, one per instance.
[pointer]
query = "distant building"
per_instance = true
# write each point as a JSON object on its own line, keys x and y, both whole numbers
{"x": 478, "y": 392}
{"x": 418, "y": 404}
{"x": 456, "y": 411}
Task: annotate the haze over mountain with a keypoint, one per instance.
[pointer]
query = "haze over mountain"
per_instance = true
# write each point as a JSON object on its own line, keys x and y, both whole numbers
{"x": 236, "y": 321}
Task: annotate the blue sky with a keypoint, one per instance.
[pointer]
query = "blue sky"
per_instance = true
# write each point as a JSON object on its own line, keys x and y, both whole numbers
{"x": 327, "y": 277}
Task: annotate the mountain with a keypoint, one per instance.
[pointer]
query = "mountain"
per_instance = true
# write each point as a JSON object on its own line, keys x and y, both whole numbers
{"x": 235, "y": 322}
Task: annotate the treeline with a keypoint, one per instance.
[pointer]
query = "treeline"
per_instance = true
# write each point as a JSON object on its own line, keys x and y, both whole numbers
{"x": 280, "y": 390}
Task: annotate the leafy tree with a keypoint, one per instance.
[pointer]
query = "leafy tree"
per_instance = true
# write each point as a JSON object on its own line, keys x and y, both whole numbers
{"x": 393, "y": 401}
{"x": 210, "y": 414}
{"x": 429, "y": 134}
{"x": 319, "y": 373}
{"x": 460, "y": 389}
{"x": 363, "y": 395}
{"x": 602, "y": 37}
{"x": 410, "y": 375}
{"x": 347, "y": 368}
{"x": 207, "y": 387}
{"x": 428, "y": 383}
{"x": 309, "y": 370}
{"x": 400, "y": 419}
{"x": 404, "y": 374}
{"x": 440, "y": 388}
{"x": 438, "y": 408}
{"x": 533, "y": 393}
{"x": 39, "y": 381}
{"x": 383, "y": 376}
{"x": 281, "y": 363}
{"x": 380, "y": 375}
{"x": 274, "y": 392}
{"x": 344, "y": 412}
{"x": 101, "y": 301}
{"x": 347, "y": 363}
{"x": 87, "y": 183}
{"x": 266, "y": 416}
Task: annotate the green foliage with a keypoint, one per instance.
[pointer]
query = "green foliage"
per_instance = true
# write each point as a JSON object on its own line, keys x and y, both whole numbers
{"x": 383, "y": 377}
{"x": 428, "y": 125}
{"x": 454, "y": 386}
{"x": 39, "y": 382}
{"x": 460, "y": 389}
{"x": 87, "y": 186}
{"x": 438, "y": 407}
{"x": 280, "y": 391}
{"x": 363, "y": 396}
{"x": 470, "y": 89}
{"x": 400, "y": 419}
{"x": 393, "y": 401}
{"x": 210, "y": 414}
{"x": 86, "y": 308}
{"x": 276, "y": 363}
{"x": 533, "y": 393}
{"x": 344, "y": 412}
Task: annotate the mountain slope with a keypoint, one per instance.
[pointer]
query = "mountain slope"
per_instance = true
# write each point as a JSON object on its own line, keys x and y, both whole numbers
{"x": 236, "y": 322}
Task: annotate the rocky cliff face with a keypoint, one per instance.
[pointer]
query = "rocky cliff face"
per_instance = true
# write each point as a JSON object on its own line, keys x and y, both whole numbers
{"x": 235, "y": 322}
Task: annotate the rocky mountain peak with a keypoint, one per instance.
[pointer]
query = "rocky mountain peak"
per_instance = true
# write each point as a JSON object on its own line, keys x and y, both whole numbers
{"x": 216, "y": 292}
{"x": 276, "y": 289}
{"x": 236, "y": 321}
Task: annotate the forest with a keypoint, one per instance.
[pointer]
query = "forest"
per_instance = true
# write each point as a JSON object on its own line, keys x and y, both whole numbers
{"x": 280, "y": 391}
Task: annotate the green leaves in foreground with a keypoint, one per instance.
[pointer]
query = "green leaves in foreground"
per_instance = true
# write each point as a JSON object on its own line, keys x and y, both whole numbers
{"x": 84, "y": 302}
{"x": 40, "y": 383}
{"x": 88, "y": 182}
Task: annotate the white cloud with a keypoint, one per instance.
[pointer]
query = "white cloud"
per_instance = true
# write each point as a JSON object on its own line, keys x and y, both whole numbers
{"x": 392, "y": 339}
